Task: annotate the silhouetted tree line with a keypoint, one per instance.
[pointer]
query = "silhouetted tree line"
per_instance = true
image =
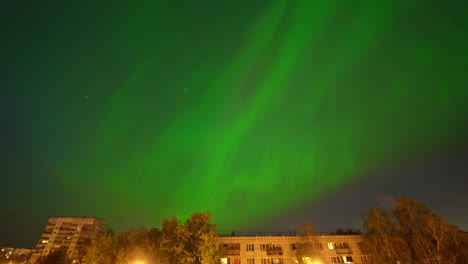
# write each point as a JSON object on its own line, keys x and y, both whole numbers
{"x": 194, "y": 241}
{"x": 409, "y": 234}
{"x": 349, "y": 231}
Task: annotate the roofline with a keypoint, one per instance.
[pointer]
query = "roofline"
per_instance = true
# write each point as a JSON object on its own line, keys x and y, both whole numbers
{"x": 86, "y": 217}
{"x": 229, "y": 235}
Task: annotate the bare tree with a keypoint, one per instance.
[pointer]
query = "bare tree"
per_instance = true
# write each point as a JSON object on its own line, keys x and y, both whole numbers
{"x": 411, "y": 233}
{"x": 309, "y": 248}
{"x": 384, "y": 241}
{"x": 431, "y": 237}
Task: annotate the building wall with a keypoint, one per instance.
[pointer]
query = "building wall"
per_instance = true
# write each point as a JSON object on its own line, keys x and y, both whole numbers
{"x": 331, "y": 248}
{"x": 69, "y": 234}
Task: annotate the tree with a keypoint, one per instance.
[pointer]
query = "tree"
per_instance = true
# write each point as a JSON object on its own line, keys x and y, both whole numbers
{"x": 431, "y": 237}
{"x": 55, "y": 257}
{"x": 412, "y": 233}
{"x": 308, "y": 250}
{"x": 140, "y": 244}
{"x": 383, "y": 239}
{"x": 102, "y": 250}
{"x": 126, "y": 247}
{"x": 194, "y": 242}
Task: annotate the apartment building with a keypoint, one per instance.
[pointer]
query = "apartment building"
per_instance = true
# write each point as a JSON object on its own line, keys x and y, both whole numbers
{"x": 282, "y": 249}
{"x": 68, "y": 234}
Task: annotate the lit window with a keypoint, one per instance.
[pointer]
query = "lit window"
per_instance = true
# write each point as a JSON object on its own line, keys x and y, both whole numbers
{"x": 278, "y": 261}
{"x": 224, "y": 261}
{"x": 45, "y": 241}
{"x": 331, "y": 245}
{"x": 250, "y": 247}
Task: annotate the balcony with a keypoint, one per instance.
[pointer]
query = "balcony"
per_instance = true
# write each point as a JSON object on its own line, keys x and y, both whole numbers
{"x": 232, "y": 252}
{"x": 344, "y": 251}
{"x": 274, "y": 252}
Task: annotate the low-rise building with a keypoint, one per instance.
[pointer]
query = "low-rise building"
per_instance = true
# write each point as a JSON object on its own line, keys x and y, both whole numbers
{"x": 282, "y": 249}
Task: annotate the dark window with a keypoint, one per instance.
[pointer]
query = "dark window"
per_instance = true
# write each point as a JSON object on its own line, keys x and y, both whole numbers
{"x": 318, "y": 246}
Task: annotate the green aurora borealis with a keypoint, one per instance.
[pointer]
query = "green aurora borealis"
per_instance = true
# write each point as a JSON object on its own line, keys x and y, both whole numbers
{"x": 241, "y": 108}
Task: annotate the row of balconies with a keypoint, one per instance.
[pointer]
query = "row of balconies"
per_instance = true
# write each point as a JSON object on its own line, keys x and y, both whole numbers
{"x": 279, "y": 252}
{"x": 270, "y": 252}
{"x": 234, "y": 249}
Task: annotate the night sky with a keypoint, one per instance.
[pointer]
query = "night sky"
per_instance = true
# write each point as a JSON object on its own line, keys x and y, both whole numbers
{"x": 265, "y": 113}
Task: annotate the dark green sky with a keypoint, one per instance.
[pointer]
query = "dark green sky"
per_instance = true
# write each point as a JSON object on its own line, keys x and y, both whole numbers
{"x": 257, "y": 111}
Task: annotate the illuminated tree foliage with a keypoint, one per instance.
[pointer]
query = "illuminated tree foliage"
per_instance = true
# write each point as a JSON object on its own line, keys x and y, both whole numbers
{"x": 56, "y": 257}
{"x": 102, "y": 250}
{"x": 412, "y": 233}
{"x": 127, "y": 247}
{"x": 194, "y": 242}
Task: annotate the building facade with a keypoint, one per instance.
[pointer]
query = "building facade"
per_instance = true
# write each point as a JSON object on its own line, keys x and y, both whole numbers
{"x": 67, "y": 234}
{"x": 14, "y": 254}
{"x": 329, "y": 249}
